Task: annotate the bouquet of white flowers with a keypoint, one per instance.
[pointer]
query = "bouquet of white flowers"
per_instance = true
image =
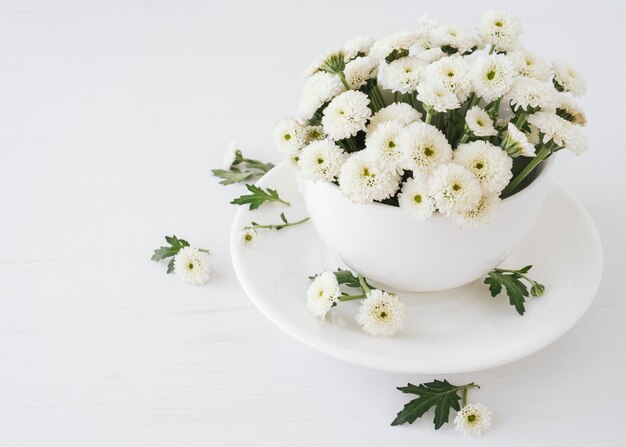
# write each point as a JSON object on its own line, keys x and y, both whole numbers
{"x": 442, "y": 118}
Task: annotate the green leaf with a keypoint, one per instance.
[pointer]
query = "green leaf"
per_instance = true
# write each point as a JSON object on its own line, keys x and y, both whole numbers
{"x": 258, "y": 197}
{"x": 441, "y": 395}
{"x": 515, "y": 289}
{"x": 233, "y": 175}
{"x": 176, "y": 244}
{"x": 170, "y": 266}
{"x": 348, "y": 278}
{"x": 283, "y": 218}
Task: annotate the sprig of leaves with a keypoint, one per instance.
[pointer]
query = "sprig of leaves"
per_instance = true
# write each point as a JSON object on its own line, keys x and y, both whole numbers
{"x": 258, "y": 197}
{"x": 441, "y": 395}
{"x": 171, "y": 250}
{"x": 515, "y": 288}
{"x": 242, "y": 169}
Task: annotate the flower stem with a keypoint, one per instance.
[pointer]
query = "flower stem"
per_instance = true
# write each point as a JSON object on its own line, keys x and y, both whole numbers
{"x": 284, "y": 202}
{"x": 344, "y": 81}
{"x": 520, "y": 120}
{"x": 492, "y": 49}
{"x": 465, "y": 388}
{"x": 363, "y": 283}
{"x": 351, "y": 297}
{"x": 429, "y": 116}
{"x": 277, "y": 226}
{"x": 377, "y": 98}
{"x": 541, "y": 156}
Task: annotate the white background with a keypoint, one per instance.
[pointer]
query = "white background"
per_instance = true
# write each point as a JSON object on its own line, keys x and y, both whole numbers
{"x": 112, "y": 114}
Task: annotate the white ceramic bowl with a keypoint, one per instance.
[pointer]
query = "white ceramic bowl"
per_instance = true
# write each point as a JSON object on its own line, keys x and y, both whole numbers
{"x": 384, "y": 244}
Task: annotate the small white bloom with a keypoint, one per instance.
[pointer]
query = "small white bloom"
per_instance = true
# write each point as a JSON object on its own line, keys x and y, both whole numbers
{"x": 414, "y": 199}
{"x": 568, "y": 79}
{"x": 398, "y": 42}
{"x": 490, "y": 164}
{"x": 529, "y": 65}
{"x": 500, "y": 29}
{"x": 321, "y": 161}
{"x": 492, "y": 76}
{"x": 381, "y": 314}
{"x": 192, "y": 265}
{"x": 289, "y": 135}
{"x": 560, "y": 131}
{"x": 454, "y": 188}
{"x": 362, "y": 179}
{"x": 479, "y": 122}
{"x": 529, "y": 93}
{"x": 346, "y": 115}
{"x": 322, "y": 294}
{"x": 516, "y": 143}
{"x": 384, "y": 144}
{"x": 568, "y": 109}
{"x": 398, "y": 111}
{"x": 402, "y": 75}
{"x": 230, "y": 155}
{"x": 462, "y": 39}
{"x": 424, "y": 147}
{"x": 437, "y": 96}
{"x": 359, "y": 46}
{"x": 248, "y": 237}
{"x": 359, "y": 71}
{"x": 473, "y": 420}
{"x": 453, "y": 73}
{"x": 479, "y": 215}
{"x": 318, "y": 89}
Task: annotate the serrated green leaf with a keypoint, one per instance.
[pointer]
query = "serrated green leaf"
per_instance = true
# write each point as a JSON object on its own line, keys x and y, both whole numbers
{"x": 170, "y": 266}
{"x": 441, "y": 395}
{"x": 234, "y": 175}
{"x": 258, "y": 197}
{"x": 515, "y": 289}
{"x": 283, "y": 218}
{"x": 525, "y": 269}
{"x": 348, "y": 278}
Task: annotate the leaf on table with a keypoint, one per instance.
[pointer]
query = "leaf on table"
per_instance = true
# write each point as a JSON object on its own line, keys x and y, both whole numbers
{"x": 441, "y": 395}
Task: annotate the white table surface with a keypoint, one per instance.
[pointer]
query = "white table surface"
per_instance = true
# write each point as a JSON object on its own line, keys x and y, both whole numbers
{"x": 112, "y": 114}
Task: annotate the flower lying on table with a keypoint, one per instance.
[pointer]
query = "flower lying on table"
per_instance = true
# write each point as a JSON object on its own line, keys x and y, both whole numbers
{"x": 189, "y": 263}
{"x": 440, "y": 119}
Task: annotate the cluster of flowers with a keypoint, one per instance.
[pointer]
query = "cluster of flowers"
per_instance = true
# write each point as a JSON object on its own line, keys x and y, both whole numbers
{"x": 381, "y": 313}
{"x": 427, "y": 121}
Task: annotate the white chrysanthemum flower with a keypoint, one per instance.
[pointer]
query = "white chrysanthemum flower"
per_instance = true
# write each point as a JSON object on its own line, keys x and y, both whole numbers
{"x": 500, "y": 29}
{"x": 192, "y": 265}
{"x": 489, "y": 164}
{"x": 436, "y": 96}
{"x": 414, "y": 199}
{"x": 430, "y": 55}
{"x": 398, "y": 111}
{"x": 230, "y": 155}
{"x": 384, "y": 144}
{"x": 516, "y": 143}
{"x": 560, "y": 131}
{"x": 321, "y": 161}
{"x": 479, "y": 122}
{"x": 473, "y": 420}
{"x": 322, "y": 294}
{"x": 424, "y": 147}
{"x": 319, "y": 64}
{"x": 362, "y": 179}
{"x": 359, "y": 71}
{"x": 568, "y": 109}
{"x": 462, "y": 39}
{"x": 529, "y": 93}
{"x": 492, "y": 76}
{"x": 399, "y": 42}
{"x": 481, "y": 214}
{"x": 289, "y": 135}
{"x": 402, "y": 75}
{"x": 381, "y": 314}
{"x": 318, "y": 90}
{"x": 454, "y": 188}
{"x": 346, "y": 115}
{"x": 453, "y": 73}
{"x": 567, "y": 79}
{"x": 529, "y": 65}
{"x": 248, "y": 237}
{"x": 359, "y": 46}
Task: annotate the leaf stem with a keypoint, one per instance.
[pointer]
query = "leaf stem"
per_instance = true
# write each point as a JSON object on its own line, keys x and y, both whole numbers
{"x": 541, "y": 156}
{"x": 429, "y": 115}
{"x": 277, "y": 226}
{"x": 363, "y": 283}
{"x": 344, "y": 81}
{"x": 351, "y": 297}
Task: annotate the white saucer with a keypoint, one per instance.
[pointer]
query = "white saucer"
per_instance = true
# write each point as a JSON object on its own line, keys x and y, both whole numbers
{"x": 453, "y": 331}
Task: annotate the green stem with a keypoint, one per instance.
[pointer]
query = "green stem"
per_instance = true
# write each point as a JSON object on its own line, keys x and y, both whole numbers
{"x": 351, "y": 297}
{"x": 530, "y": 280}
{"x": 466, "y": 135}
{"x": 344, "y": 81}
{"x": 363, "y": 283}
{"x": 429, "y": 116}
{"x": 377, "y": 98}
{"x": 278, "y": 226}
{"x": 541, "y": 156}
{"x": 204, "y": 250}
{"x": 351, "y": 145}
{"x": 520, "y": 120}
{"x": 283, "y": 202}
{"x": 492, "y": 49}
{"x": 465, "y": 388}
